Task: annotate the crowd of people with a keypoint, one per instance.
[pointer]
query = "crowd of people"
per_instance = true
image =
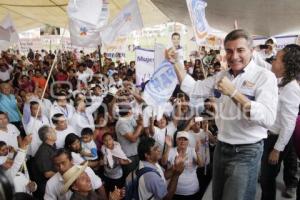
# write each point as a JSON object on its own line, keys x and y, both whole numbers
{"x": 76, "y": 126}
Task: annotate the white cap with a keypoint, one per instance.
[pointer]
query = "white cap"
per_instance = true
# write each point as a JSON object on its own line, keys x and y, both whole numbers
{"x": 182, "y": 134}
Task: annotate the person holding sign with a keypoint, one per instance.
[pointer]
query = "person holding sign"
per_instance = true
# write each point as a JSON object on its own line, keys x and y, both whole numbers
{"x": 246, "y": 97}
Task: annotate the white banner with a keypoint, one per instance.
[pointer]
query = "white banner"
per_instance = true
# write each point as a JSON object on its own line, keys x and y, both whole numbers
{"x": 161, "y": 85}
{"x": 129, "y": 19}
{"x": 159, "y": 54}
{"x": 83, "y": 34}
{"x": 144, "y": 59}
{"x": 8, "y": 30}
{"x": 199, "y": 23}
{"x": 86, "y": 11}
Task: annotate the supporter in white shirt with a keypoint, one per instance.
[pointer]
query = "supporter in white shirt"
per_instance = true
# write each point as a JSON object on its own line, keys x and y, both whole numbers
{"x": 63, "y": 161}
{"x": 45, "y": 103}
{"x": 279, "y": 145}
{"x": 83, "y": 116}
{"x": 160, "y": 128}
{"x": 61, "y": 105}
{"x": 5, "y": 70}
{"x": 188, "y": 185}
{"x": 247, "y": 97}
{"x": 62, "y": 129}
{"x": 32, "y": 123}
{"x": 8, "y": 132}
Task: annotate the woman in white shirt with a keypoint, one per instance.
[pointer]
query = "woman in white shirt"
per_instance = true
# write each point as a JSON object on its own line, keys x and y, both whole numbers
{"x": 187, "y": 186}
{"x": 279, "y": 145}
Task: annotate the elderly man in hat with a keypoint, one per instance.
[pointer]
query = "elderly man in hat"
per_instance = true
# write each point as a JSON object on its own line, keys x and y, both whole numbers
{"x": 78, "y": 181}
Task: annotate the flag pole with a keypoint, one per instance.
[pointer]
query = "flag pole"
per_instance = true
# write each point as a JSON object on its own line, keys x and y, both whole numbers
{"x": 99, "y": 54}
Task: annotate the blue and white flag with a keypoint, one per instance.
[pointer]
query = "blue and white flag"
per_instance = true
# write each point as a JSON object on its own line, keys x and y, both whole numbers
{"x": 197, "y": 14}
{"x": 161, "y": 85}
{"x": 129, "y": 19}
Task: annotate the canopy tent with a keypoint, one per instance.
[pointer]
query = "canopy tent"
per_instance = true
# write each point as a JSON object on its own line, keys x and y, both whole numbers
{"x": 29, "y": 14}
{"x": 259, "y": 17}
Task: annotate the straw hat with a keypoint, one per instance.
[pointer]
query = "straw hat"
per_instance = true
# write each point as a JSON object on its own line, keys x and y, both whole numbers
{"x": 71, "y": 175}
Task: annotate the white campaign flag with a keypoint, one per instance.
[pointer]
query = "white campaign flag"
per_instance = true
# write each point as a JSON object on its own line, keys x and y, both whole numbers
{"x": 86, "y": 11}
{"x": 7, "y": 30}
{"x": 159, "y": 54}
{"x": 129, "y": 19}
{"x": 86, "y": 18}
{"x": 197, "y": 14}
{"x": 83, "y": 34}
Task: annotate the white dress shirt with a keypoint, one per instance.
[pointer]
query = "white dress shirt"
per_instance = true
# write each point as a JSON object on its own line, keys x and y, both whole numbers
{"x": 61, "y": 136}
{"x": 10, "y": 137}
{"x": 259, "y": 85}
{"x": 33, "y": 127}
{"x": 56, "y": 182}
{"x": 287, "y": 113}
{"x": 68, "y": 111}
{"x": 81, "y": 120}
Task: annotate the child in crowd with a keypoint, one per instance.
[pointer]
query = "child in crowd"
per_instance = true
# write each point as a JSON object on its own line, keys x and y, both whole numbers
{"x": 114, "y": 158}
{"x": 89, "y": 148}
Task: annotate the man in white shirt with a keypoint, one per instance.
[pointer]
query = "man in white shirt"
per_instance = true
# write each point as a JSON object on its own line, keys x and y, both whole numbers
{"x": 61, "y": 105}
{"x": 62, "y": 129}
{"x": 63, "y": 162}
{"x": 8, "y": 132}
{"x": 83, "y": 116}
{"x": 247, "y": 97}
{"x": 5, "y": 70}
{"x": 33, "y": 120}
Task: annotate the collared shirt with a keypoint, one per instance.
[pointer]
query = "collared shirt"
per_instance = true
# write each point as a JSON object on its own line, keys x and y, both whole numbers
{"x": 56, "y": 182}
{"x": 10, "y": 137}
{"x": 259, "y": 85}
{"x": 8, "y": 104}
{"x": 81, "y": 120}
{"x": 287, "y": 113}
{"x": 61, "y": 136}
{"x": 32, "y": 127}
{"x": 68, "y": 111}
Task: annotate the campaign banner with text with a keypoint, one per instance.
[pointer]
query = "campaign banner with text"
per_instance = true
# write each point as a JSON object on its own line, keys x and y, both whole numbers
{"x": 144, "y": 59}
{"x": 161, "y": 86}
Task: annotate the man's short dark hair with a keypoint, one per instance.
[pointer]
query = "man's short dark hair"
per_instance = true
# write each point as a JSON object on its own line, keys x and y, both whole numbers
{"x": 145, "y": 147}
{"x": 3, "y": 113}
{"x": 2, "y": 143}
{"x": 239, "y": 33}
{"x": 33, "y": 103}
{"x": 62, "y": 151}
{"x": 174, "y": 34}
{"x": 55, "y": 117}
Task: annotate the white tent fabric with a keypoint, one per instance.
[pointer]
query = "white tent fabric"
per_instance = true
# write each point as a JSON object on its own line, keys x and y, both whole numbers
{"x": 259, "y": 17}
{"x": 29, "y": 14}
